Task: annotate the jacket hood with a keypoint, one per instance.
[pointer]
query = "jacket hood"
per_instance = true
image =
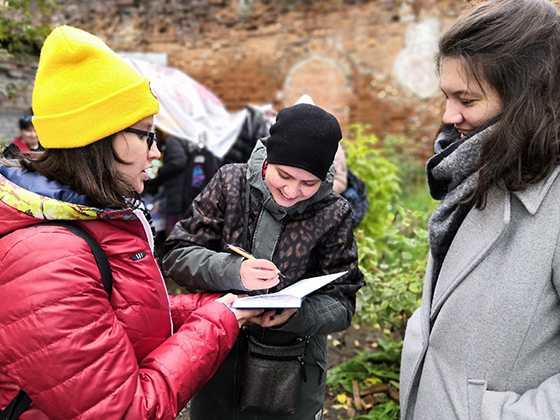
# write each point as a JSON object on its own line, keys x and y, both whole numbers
{"x": 255, "y": 179}
{"x": 28, "y": 197}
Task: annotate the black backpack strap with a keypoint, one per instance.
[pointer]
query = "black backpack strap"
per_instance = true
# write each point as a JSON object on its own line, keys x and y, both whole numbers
{"x": 16, "y": 407}
{"x": 21, "y": 401}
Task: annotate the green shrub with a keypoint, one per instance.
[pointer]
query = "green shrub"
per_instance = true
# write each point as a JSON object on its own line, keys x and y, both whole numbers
{"x": 392, "y": 238}
{"x": 392, "y": 250}
{"x": 364, "y": 157}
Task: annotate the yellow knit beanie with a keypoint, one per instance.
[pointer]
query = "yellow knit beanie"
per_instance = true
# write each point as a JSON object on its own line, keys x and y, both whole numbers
{"x": 85, "y": 92}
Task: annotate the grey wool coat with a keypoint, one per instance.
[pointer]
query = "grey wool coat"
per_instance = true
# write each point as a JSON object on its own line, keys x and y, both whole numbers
{"x": 485, "y": 344}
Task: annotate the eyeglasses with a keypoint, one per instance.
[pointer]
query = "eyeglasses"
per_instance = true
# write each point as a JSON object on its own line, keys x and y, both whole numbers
{"x": 151, "y": 135}
{"x": 26, "y": 118}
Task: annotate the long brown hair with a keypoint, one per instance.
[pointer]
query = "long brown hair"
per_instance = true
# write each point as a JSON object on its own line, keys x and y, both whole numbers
{"x": 88, "y": 170}
{"x": 514, "y": 45}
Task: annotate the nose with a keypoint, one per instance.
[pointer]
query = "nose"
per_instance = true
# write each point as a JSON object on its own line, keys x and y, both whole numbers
{"x": 291, "y": 189}
{"x": 154, "y": 152}
{"x": 452, "y": 114}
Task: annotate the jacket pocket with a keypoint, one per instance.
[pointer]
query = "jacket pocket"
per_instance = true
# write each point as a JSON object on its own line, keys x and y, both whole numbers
{"x": 475, "y": 391}
{"x": 317, "y": 351}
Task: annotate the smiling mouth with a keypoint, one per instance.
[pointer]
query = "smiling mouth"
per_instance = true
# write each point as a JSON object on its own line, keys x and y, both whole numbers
{"x": 285, "y": 196}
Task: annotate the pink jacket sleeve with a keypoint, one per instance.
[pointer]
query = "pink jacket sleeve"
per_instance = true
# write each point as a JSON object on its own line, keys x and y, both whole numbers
{"x": 182, "y": 306}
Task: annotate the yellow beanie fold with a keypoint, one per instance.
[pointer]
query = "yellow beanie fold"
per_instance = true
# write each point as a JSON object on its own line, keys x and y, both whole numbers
{"x": 84, "y": 91}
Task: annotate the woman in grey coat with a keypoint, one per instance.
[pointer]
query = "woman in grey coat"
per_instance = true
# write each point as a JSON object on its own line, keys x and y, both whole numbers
{"x": 485, "y": 343}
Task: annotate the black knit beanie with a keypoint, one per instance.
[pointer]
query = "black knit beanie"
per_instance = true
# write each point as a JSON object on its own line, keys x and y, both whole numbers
{"x": 306, "y": 137}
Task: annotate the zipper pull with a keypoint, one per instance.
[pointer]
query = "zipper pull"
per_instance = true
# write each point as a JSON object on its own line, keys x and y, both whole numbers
{"x": 302, "y": 366}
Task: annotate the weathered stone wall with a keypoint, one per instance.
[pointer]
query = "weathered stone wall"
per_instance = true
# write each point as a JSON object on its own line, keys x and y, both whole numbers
{"x": 17, "y": 80}
{"x": 368, "y": 62}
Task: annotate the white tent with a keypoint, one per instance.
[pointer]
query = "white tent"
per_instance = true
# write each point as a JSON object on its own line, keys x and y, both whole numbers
{"x": 189, "y": 110}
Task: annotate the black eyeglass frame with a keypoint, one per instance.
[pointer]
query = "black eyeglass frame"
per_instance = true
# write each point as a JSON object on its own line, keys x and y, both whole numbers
{"x": 151, "y": 135}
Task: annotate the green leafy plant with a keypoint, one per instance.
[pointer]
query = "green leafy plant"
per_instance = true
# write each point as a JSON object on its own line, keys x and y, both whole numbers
{"x": 392, "y": 238}
{"x": 393, "y": 282}
{"x": 392, "y": 248}
{"x": 386, "y": 410}
{"x": 365, "y": 158}
{"x": 24, "y": 25}
{"x": 372, "y": 368}
{"x": 367, "y": 365}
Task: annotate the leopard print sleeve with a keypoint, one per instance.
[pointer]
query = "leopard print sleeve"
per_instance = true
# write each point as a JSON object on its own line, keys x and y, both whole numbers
{"x": 196, "y": 247}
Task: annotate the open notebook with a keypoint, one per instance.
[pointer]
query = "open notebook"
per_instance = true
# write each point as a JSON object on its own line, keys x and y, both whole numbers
{"x": 290, "y": 297}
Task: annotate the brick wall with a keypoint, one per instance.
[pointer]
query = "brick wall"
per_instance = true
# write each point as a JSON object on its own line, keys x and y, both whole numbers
{"x": 368, "y": 62}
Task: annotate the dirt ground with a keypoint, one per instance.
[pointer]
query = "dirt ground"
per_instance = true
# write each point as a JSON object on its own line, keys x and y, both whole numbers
{"x": 342, "y": 347}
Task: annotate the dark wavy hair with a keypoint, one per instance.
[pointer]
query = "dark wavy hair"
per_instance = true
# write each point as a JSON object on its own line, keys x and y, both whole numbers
{"x": 514, "y": 45}
{"x": 88, "y": 170}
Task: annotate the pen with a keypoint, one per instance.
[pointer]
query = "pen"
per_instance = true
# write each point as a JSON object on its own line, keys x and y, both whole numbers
{"x": 245, "y": 254}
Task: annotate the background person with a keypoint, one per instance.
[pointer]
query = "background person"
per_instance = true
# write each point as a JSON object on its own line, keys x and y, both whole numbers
{"x": 341, "y": 171}
{"x": 485, "y": 343}
{"x": 279, "y": 206}
{"x": 77, "y": 354}
{"x": 186, "y": 169}
{"x": 27, "y": 142}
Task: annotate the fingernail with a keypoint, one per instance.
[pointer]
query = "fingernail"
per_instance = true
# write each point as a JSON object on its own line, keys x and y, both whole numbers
{"x": 272, "y": 318}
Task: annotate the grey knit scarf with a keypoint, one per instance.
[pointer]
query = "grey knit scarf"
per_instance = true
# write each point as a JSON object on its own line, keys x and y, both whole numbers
{"x": 452, "y": 177}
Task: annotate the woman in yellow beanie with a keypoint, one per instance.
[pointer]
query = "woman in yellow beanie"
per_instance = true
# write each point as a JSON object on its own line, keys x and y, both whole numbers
{"x": 73, "y": 343}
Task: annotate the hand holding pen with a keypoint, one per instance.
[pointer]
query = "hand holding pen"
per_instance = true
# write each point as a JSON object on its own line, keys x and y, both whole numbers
{"x": 256, "y": 274}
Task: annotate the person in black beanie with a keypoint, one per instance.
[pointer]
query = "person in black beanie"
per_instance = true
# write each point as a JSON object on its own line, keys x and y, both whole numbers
{"x": 280, "y": 207}
{"x": 306, "y": 137}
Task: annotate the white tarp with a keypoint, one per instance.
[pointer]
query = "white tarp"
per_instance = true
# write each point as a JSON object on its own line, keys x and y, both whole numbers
{"x": 189, "y": 110}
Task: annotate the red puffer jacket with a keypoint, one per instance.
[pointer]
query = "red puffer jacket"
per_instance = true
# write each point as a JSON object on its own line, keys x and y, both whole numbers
{"x": 75, "y": 353}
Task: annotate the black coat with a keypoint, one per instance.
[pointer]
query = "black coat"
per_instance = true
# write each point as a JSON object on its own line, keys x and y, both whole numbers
{"x": 186, "y": 170}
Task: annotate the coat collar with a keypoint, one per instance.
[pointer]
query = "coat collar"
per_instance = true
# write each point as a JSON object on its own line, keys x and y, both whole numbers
{"x": 477, "y": 235}
{"x": 31, "y": 194}
{"x": 533, "y": 196}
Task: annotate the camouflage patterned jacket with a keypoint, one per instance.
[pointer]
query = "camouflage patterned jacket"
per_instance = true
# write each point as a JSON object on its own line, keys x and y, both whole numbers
{"x": 311, "y": 238}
